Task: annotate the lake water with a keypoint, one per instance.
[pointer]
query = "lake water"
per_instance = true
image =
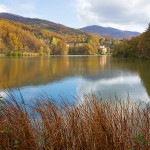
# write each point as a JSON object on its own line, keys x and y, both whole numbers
{"x": 69, "y": 76}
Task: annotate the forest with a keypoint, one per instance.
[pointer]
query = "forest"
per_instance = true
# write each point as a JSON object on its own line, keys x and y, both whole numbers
{"x": 135, "y": 47}
{"x": 17, "y": 38}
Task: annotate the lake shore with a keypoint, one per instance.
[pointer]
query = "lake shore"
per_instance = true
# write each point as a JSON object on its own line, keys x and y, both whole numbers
{"x": 37, "y": 54}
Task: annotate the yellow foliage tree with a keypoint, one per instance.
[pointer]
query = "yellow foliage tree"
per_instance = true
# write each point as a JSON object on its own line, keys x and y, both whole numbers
{"x": 13, "y": 40}
{"x": 88, "y": 49}
{"x": 54, "y": 41}
{"x": 1, "y": 45}
{"x": 62, "y": 48}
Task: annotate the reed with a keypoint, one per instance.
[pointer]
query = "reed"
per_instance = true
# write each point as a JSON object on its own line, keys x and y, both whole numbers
{"x": 92, "y": 124}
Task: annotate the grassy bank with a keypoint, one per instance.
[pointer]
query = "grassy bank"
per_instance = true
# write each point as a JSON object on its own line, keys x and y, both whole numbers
{"x": 91, "y": 125}
{"x": 2, "y": 55}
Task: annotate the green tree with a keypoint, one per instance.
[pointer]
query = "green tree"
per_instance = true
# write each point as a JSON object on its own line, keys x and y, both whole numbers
{"x": 101, "y": 41}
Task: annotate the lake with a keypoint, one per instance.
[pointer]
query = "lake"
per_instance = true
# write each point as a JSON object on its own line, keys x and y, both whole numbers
{"x": 70, "y": 76}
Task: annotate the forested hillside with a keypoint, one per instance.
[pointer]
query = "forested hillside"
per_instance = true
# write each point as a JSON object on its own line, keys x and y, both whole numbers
{"x": 136, "y": 47}
{"x": 15, "y": 36}
{"x": 42, "y": 24}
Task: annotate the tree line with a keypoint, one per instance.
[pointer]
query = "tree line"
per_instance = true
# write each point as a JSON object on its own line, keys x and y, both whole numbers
{"x": 135, "y": 47}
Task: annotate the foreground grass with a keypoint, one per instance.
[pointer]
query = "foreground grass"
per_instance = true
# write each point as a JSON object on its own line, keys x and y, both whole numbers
{"x": 91, "y": 125}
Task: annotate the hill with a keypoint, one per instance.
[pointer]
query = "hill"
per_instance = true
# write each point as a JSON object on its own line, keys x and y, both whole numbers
{"x": 42, "y": 24}
{"x": 109, "y": 32}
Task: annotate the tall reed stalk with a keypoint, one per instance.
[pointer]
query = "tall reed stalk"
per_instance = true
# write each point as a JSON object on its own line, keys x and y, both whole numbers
{"x": 92, "y": 124}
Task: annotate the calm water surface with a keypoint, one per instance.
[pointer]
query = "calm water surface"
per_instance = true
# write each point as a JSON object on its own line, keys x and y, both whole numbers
{"x": 75, "y": 75}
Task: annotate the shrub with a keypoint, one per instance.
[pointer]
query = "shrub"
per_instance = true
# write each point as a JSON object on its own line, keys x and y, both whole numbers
{"x": 15, "y": 53}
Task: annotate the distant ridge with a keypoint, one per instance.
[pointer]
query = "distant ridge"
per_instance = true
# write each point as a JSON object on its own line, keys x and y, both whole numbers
{"x": 109, "y": 32}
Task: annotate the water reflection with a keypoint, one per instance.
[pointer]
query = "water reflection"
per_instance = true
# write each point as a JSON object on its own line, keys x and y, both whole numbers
{"x": 119, "y": 86}
{"x": 77, "y": 74}
{"x": 41, "y": 70}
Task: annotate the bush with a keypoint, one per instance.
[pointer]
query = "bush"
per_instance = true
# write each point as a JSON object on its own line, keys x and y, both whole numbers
{"x": 15, "y": 53}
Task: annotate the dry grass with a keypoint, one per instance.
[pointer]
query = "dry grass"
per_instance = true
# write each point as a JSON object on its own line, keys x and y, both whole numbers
{"x": 91, "y": 125}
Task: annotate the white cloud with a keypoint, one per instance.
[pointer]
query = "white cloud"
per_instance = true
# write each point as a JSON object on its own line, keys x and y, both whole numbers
{"x": 119, "y": 86}
{"x": 3, "y": 8}
{"x": 124, "y": 14}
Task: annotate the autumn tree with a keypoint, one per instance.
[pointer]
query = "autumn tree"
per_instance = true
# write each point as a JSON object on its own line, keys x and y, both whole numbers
{"x": 48, "y": 51}
{"x": 61, "y": 48}
{"x": 1, "y": 45}
{"x": 88, "y": 49}
{"x": 13, "y": 40}
{"x": 41, "y": 50}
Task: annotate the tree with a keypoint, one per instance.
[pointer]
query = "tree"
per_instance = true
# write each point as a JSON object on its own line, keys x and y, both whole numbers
{"x": 27, "y": 49}
{"x": 101, "y": 41}
{"x": 62, "y": 48}
{"x": 13, "y": 40}
{"x": 54, "y": 40}
{"x": 87, "y": 40}
{"x": 88, "y": 49}
{"x": 48, "y": 51}
{"x": 1, "y": 44}
{"x": 41, "y": 50}
{"x": 20, "y": 46}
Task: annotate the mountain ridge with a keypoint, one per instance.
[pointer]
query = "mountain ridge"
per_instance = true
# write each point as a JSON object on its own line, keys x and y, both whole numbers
{"x": 56, "y": 27}
{"x": 109, "y": 32}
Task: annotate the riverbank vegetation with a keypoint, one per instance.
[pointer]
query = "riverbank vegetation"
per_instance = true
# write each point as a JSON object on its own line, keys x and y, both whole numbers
{"x": 20, "y": 39}
{"x": 90, "y": 123}
{"x": 135, "y": 47}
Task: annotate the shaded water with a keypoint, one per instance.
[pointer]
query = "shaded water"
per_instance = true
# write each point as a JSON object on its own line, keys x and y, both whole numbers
{"x": 76, "y": 75}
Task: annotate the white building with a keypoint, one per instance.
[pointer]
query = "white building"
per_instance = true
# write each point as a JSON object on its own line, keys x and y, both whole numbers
{"x": 103, "y": 48}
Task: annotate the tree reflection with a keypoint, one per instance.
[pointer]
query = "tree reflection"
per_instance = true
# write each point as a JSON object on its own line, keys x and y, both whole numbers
{"x": 25, "y": 71}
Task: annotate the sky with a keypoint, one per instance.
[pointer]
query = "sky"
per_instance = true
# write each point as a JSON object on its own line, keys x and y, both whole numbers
{"x": 131, "y": 15}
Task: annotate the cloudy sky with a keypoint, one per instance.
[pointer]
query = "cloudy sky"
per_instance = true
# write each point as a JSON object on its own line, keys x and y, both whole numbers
{"x": 122, "y": 14}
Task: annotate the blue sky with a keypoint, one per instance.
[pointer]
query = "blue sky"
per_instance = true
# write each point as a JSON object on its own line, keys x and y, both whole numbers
{"x": 124, "y": 14}
{"x": 59, "y": 11}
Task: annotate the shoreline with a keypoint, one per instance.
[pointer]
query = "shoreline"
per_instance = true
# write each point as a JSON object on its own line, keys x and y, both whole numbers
{"x": 34, "y": 55}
